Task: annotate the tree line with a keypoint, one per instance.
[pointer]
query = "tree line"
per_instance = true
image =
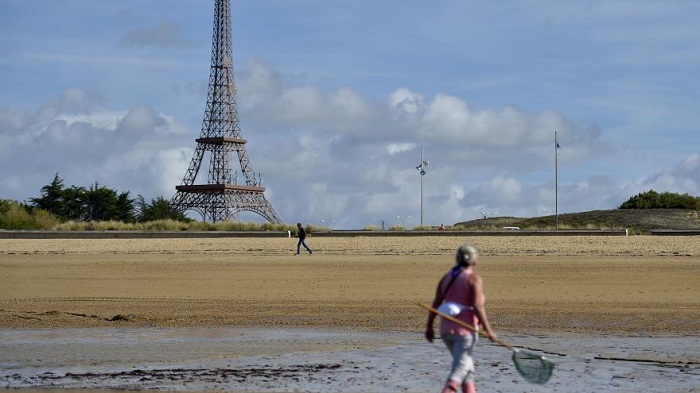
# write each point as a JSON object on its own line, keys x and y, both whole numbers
{"x": 665, "y": 200}
{"x": 100, "y": 203}
{"x": 96, "y": 203}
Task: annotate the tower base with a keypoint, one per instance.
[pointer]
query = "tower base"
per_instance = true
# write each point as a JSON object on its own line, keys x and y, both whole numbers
{"x": 222, "y": 202}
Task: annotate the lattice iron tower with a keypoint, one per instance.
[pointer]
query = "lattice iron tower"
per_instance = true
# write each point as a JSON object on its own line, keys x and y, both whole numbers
{"x": 222, "y": 198}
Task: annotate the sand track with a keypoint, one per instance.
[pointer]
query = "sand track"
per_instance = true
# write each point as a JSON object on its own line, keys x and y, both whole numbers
{"x": 631, "y": 285}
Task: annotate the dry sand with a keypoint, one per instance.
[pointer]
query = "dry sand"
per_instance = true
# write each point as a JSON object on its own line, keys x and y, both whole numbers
{"x": 362, "y": 291}
{"x": 636, "y": 284}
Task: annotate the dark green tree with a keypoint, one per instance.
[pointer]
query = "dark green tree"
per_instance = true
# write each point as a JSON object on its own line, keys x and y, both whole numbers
{"x": 74, "y": 203}
{"x": 125, "y": 208}
{"x": 158, "y": 209}
{"x": 100, "y": 203}
{"x": 52, "y": 198}
{"x": 667, "y": 200}
{"x": 104, "y": 204}
{"x": 64, "y": 203}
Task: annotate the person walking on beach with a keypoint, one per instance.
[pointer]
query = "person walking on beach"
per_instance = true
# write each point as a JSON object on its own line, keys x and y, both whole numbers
{"x": 301, "y": 234}
{"x": 460, "y": 294}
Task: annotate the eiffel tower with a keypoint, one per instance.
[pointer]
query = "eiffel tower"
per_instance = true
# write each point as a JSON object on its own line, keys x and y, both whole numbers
{"x": 222, "y": 198}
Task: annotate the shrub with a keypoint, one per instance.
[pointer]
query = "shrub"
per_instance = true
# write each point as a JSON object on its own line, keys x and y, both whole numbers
{"x": 14, "y": 215}
{"x": 666, "y": 200}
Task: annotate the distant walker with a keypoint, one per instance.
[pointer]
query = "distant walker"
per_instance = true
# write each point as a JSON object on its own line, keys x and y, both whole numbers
{"x": 301, "y": 234}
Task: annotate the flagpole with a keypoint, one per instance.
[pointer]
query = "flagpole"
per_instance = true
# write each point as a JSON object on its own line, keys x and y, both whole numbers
{"x": 422, "y": 172}
{"x": 556, "y": 182}
{"x": 421, "y": 188}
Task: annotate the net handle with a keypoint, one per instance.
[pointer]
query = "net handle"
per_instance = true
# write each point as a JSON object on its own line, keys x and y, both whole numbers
{"x": 533, "y": 376}
{"x": 467, "y": 325}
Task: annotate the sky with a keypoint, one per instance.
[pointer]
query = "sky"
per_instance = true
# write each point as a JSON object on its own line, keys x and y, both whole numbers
{"x": 337, "y": 99}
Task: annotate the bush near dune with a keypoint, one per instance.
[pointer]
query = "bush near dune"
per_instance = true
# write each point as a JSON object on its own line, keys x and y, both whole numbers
{"x": 635, "y": 220}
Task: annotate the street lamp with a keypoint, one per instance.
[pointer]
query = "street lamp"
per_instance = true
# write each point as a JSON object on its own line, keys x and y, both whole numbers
{"x": 403, "y": 220}
{"x": 330, "y": 224}
{"x": 422, "y": 170}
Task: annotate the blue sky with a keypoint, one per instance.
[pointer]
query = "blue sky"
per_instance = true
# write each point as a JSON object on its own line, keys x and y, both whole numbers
{"x": 336, "y": 99}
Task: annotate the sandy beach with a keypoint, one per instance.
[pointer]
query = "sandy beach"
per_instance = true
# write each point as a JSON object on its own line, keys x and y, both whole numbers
{"x": 614, "y": 313}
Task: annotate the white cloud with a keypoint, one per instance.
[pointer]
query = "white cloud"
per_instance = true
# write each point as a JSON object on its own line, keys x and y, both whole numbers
{"x": 335, "y": 130}
{"x": 85, "y": 143}
{"x": 141, "y": 120}
{"x": 164, "y": 35}
{"x": 307, "y": 171}
{"x": 501, "y": 190}
{"x": 394, "y": 148}
{"x": 405, "y": 103}
{"x": 325, "y": 202}
{"x": 684, "y": 177}
{"x": 451, "y": 119}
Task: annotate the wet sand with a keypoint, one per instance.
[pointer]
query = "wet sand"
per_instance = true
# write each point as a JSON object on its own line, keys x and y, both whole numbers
{"x": 313, "y": 360}
{"x": 620, "y": 312}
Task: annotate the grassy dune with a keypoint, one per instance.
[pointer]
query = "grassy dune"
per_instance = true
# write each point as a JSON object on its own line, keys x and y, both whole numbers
{"x": 636, "y": 220}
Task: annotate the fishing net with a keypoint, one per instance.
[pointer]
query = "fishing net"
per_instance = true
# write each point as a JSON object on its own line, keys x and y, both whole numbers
{"x": 532, "y": 367}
